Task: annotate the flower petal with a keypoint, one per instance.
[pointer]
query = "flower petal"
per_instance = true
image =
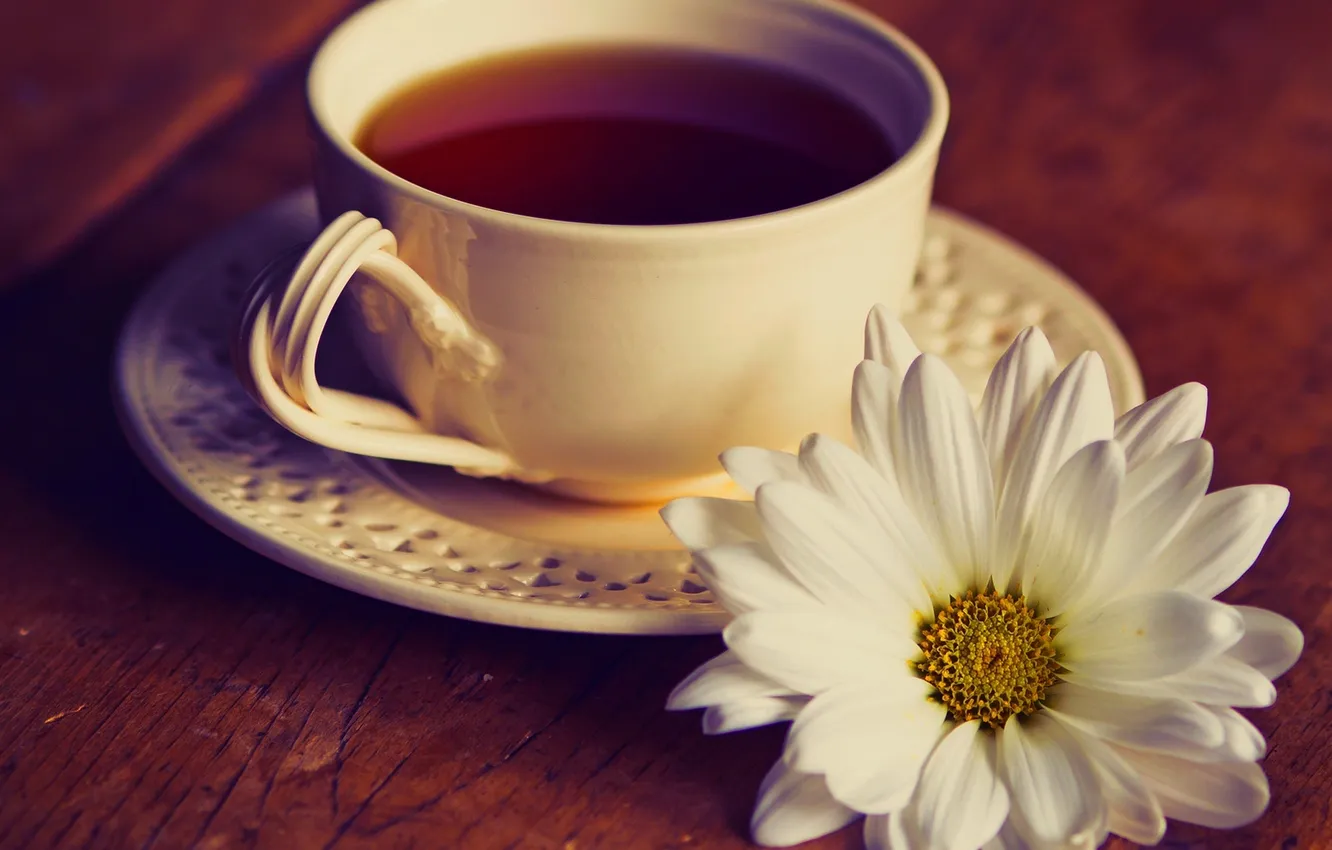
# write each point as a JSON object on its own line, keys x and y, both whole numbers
{"x": 1157, "y": 499}
{"x": 1144, "y": 723}
{"x": 735, "y": 696}
{"x": 1070, "y": 526}
{"x": 794, "y": 807}
{"x": 752, "y": 467}
{"x": 724, "y": 678}
{"x": 1271, "y": 643}
{"x": 1221, "y": 540}
{"x": 874, "y": 391}
{"x": 1156, "y": 425}
{"x": 886, "y": 832}
{"x": 748, "y": 577}
{"x": 1133, "y": 812}
{"x": 1019, "y": 380}
{"x": 702, "y": 522}
{"x": 1147, "y": 636}
{"x": 943, "y": 467}
{"x": 869, "y": 740}
{"x": 887, "y": 342}
{"x": 1221, "y": 796}
{"x": 1223, "y": 680}
{"x": 750, "y": 714}
{"x": 1007, "y": 839}
{"x": 1243, "y": 742}
{"x": 849, "y": 479}
{"x": 813, "y": 652}
{"x": 1056, "y": 795}
{"x": 960, "y": 802}
{"x": 1076, "y": 411}
{"x": 841, "y": 558}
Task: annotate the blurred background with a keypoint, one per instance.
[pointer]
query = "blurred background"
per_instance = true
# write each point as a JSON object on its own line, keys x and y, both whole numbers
{"x": 1174, "y": 158}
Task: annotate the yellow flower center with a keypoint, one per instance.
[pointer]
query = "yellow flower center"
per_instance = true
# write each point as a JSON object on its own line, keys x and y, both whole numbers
{"x": 989, "y": 656}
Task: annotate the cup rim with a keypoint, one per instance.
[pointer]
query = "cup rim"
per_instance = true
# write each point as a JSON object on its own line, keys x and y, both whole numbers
{"x": 922, "y": 150}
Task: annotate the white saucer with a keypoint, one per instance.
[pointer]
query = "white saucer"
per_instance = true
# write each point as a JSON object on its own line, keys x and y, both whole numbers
{"x": 483, "y": 550}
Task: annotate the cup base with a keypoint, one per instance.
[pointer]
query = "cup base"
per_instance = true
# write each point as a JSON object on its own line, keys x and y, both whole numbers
{"x": 641, "y": 493}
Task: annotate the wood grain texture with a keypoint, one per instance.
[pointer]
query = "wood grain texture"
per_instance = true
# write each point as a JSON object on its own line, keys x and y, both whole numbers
{"x": 162, "y": 687}
{"x": 97, "y": 97}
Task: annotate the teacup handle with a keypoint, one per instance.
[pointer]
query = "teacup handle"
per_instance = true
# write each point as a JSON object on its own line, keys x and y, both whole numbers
{"x": 285, "y": 314}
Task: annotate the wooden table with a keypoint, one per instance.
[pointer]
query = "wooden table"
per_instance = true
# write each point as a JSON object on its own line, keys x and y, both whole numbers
{"x": 162, "y": 687}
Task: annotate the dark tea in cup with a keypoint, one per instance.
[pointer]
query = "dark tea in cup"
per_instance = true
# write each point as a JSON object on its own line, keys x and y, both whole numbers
{"x": 629, "y": 135}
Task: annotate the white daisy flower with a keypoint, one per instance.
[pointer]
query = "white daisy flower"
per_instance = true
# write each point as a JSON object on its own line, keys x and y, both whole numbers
{"x": 992, "y": 628}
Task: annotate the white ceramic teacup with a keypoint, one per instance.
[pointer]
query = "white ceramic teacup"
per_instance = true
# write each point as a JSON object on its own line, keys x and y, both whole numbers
{"x": 602, "y": 361}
